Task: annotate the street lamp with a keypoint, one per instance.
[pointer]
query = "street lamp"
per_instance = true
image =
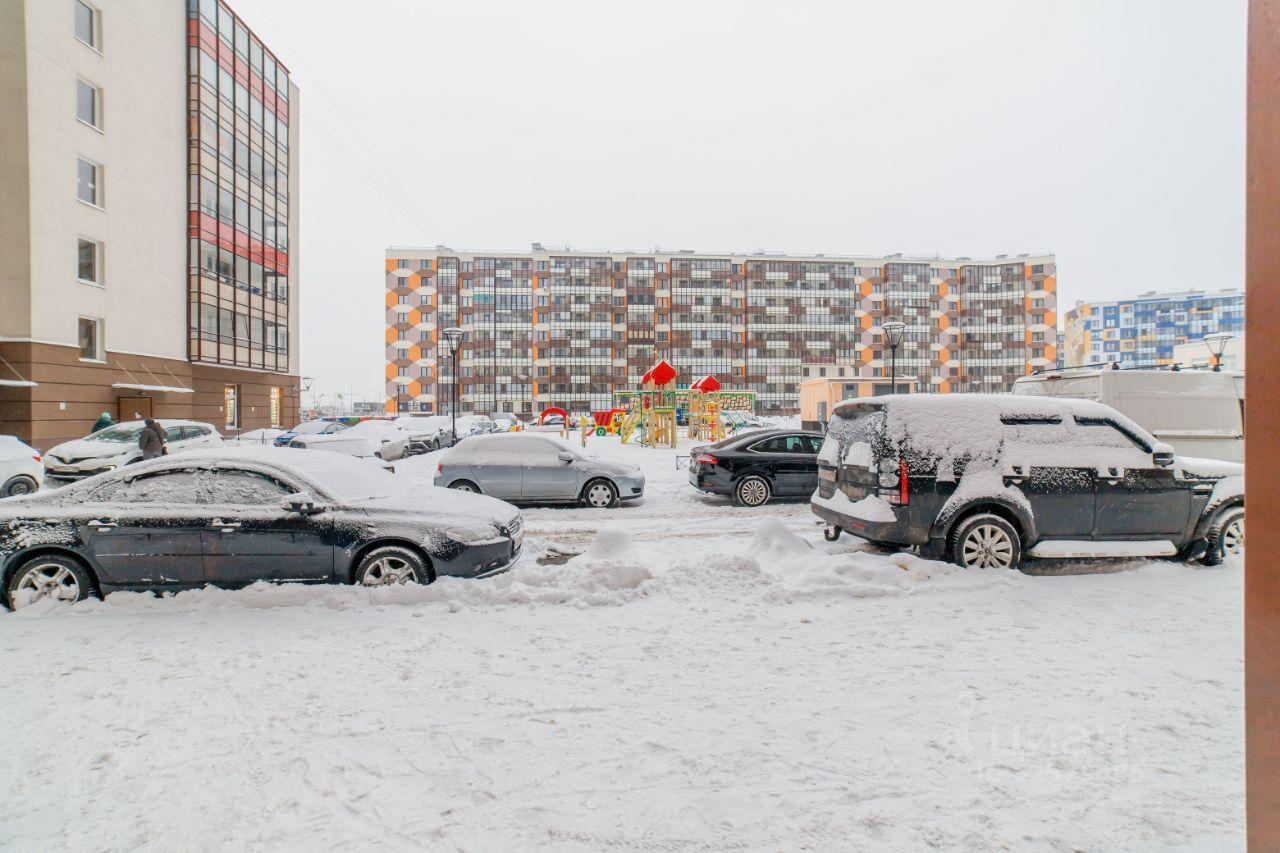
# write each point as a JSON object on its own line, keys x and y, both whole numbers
{"x": 1217, "y": 344}
{"x": 400, "y": 382}
{"x": 453, "y": 336}
{"x": 893, "y": 333}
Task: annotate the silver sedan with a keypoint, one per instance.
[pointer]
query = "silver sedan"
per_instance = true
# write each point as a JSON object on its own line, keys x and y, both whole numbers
{"x": 527, "y": 467}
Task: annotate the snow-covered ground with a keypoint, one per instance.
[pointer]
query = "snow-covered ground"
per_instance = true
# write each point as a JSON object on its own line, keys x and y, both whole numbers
{"x": 678, "y": 674}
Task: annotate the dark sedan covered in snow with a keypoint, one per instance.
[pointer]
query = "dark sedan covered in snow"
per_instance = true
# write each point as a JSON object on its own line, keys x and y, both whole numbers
{"x": 233, "y": 517}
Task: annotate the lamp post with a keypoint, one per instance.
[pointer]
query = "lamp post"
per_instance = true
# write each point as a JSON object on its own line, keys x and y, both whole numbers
{"x": 453, "y": 336}
{"x": 893, "y": 333}
{"x": 1217, "y": 344}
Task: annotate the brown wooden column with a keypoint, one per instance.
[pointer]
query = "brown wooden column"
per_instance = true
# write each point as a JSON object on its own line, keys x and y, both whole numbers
{"x": 1262, "y": 399}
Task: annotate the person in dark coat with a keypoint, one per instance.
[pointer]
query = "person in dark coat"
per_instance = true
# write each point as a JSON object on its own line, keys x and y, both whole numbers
{"x": 104, "y": 420}
{"x": 152, "y": 439}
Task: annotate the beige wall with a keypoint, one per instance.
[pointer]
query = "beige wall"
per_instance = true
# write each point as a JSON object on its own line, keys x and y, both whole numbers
{"x": 15, "y": 302}
{"x": 142, "y": 148}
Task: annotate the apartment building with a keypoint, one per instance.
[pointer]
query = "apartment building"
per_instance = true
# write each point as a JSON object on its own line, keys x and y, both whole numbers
{"x": 148, "y": 195}
{"x": 1144, "y": 330}
{"x": 567, "y": 328}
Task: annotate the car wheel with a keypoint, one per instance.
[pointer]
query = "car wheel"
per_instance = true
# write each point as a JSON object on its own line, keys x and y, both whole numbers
{"x": 392, "y": 565}
{"x": 465, "y": 486}
{"x": 1226, "y": 536}
{"x": 19, "y": 485}
{"x": 600, "y": 494}
{"x": 752, "y": 491}
{"x": 986, "y": 541}
{"x": 51, "y": 576}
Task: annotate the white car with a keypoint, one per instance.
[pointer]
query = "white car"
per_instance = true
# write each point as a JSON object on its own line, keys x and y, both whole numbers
{"x": 429, "y": 432}
{"x": 384, "y": 439}
{"x": 257, "y": 437}
{"x": 117, "y": 446}
{"x": 20, "y": 470}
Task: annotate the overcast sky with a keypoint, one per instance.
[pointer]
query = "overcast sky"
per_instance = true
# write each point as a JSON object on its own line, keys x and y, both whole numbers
{"x": 1108, "y": 132}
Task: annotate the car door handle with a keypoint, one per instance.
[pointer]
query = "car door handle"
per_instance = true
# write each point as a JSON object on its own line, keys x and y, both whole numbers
{"x": 102, "y": 524}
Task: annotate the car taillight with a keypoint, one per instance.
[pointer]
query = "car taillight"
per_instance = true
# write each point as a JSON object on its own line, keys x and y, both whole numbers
{"x": 705, "y": 459}
{"x": 894, "y": 486}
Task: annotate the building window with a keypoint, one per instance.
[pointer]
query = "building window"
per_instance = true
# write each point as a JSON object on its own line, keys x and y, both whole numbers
{"x": 231, "y": 406}
{"x": 91, "y": 339}
{"x": 88, "y": 103}
{"x": 89, "y": 261}
{"x": 89, "y": 182}
{"x": 88, "y": 25}
{"x": 276, "y": 396}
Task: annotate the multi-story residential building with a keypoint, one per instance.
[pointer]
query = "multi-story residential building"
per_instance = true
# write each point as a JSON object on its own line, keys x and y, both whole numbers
{"x": 568, "y": 328}
{"x": 1143, "y": 331}
{"x": 148, "y": 195}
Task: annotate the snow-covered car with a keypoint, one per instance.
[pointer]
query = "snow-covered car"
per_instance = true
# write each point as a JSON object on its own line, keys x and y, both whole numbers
{"x": 984, "y": 479}
{"x": 384, "y": 439}
{"x": 309, "y": 428}
{"x": 503, "y": 423}
{"x": 428, "y": 432}
{"x": 234, "y": 516}
{"x": 21, "y": 471}
{"x": 266, "y": 437}
{"x": 529, "y": 467}
{"x": 474, "y": 425}
{"x": 117, "y": 446}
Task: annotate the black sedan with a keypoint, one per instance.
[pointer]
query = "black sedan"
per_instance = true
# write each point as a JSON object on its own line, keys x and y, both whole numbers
{"x": 232, "y": 517}
{"x": 755, "y": 466}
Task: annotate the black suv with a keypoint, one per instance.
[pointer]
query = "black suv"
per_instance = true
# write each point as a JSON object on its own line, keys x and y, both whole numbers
{"x": 984, "y": 479}
{"x": 754, "y": 466}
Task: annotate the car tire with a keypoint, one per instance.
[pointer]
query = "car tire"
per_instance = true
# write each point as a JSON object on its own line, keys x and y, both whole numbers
{"x": 19, "y": 485}
{"x": 49, "y": 576}
{"x": 1225, "y": 537}
{"x": 465, "y": 486}
{"x": 392, "y": 565}
{"x": 752, "y": 490}
{"x": 985, "y": 541}
{"x": 600, "y": 494}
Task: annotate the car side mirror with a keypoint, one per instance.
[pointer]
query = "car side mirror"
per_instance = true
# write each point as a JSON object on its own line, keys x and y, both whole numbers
{"x": 1162, "y": 458}
{"x": 565, "y": 456}
{"x": 301, "y": 503}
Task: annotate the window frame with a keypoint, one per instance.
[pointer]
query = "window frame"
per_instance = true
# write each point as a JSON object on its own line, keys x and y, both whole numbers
{"x": 96, "y": 124}
{"x": 99, "y": 191}
{"x": 100, "y": 339}
{"x": 99, "y": 279}
{"x": 95, "y": 26}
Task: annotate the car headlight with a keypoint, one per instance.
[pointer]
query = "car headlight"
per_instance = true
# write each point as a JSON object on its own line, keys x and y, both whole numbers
{"x": 475, "y": 534}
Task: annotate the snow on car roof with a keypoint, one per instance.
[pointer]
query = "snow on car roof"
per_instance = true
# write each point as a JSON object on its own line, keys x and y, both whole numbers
{"x": 949, "y": 424}
{"x": 505, "y": 443}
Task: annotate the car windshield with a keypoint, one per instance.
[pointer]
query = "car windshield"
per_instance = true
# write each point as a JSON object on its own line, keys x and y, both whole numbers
{"x": 118, "y": 434}
{"x": 346, "y": 478}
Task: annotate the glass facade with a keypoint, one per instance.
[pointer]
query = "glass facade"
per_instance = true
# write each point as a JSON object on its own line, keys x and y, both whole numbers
{"x": 238, "y": 194}
{"x": 569, "y": 328}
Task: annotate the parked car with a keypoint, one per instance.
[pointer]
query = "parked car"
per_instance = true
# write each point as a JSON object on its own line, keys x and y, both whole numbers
{"x": 428, "y": 433}
{"x": 235, "y": 516}
{"x": 117, "y": 446}
{"x": 504, "y": 423}
{"x": 1197, "y": 412}
{"x": 984, "y": 480}
{"x": 755, "y": 466}
{"x": 474, "y": 425}
{"x": 309, "y": 428}
{"x": 21, "y": 471}
{"x": 529, "y": 467}
{"x": 384, "y": 439}
{"x": 266, "y": 437}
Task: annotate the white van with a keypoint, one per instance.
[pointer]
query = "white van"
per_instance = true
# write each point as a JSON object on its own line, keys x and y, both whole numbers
{"x": 1199, "y": 412}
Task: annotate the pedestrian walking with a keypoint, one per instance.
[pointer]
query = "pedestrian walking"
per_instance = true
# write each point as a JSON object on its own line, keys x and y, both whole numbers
{"x": 152, "y": 439}
{"x": 104, "y": 420}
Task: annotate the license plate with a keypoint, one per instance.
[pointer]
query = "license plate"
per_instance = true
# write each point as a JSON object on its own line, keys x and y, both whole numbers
{"x": 827, "y": 474}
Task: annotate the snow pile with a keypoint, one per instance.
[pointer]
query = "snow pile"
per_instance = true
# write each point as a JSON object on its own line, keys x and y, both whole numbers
{"x": 801, "y": 573}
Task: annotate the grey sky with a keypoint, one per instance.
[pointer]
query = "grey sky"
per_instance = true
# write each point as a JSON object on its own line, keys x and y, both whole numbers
{"x": 1109, "y": 132}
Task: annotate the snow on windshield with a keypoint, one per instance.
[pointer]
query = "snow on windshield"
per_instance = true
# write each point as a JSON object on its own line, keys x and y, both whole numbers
{"x": 311, "y": 427}
{"x": 117, "y": 434}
